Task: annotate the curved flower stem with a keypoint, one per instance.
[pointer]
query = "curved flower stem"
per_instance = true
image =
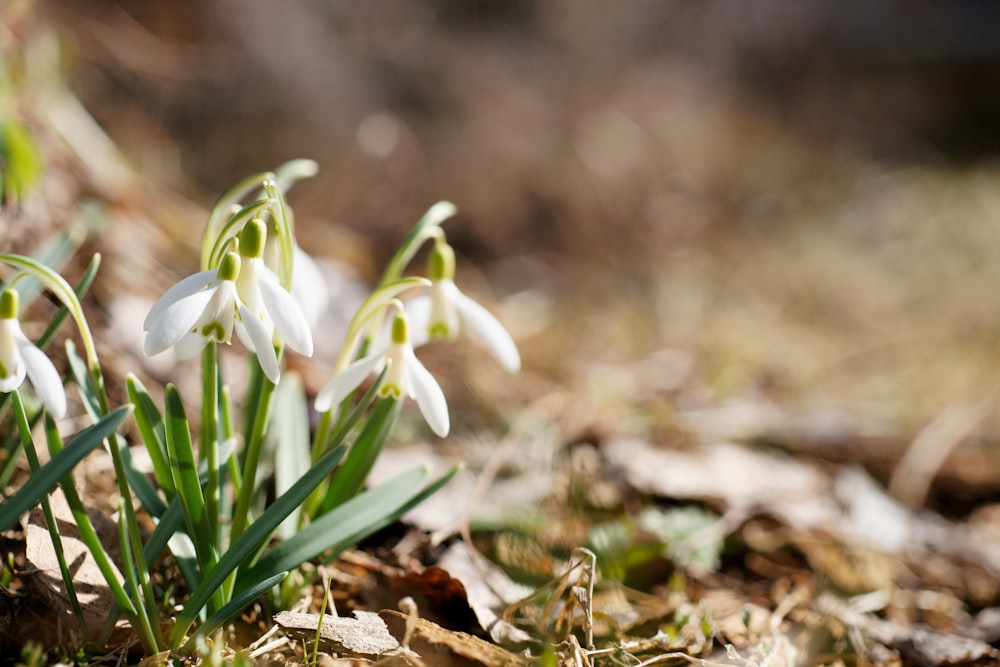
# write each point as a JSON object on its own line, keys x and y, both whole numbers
{"x": 209, "y": 433}
{"x": 428, "y": 227}
{"x": 222, "y": 209}
{"x": 63, "y": 291}
{"x": 283, "y": 223}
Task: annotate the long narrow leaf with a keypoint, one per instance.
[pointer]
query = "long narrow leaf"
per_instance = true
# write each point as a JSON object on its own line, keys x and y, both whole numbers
{"x": 46, "y": 479}
{"x": 140, "y": 485}
{"x": 351, "y": 476}
{"x": 237, "y": 604}
{"x": 259, "y": 531}
{"x": 290, "y": 441}
{"x": 339, "y": 529}
{"x": 184, "y": 467}
{"x": 82, "y": 379}
{"x": 150, "y": 423}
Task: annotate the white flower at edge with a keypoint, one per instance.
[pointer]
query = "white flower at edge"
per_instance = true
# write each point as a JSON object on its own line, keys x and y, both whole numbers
{"x": 441, "y": 313}
{"x": 19, "y": 357}
{"x": 406, "y": 376}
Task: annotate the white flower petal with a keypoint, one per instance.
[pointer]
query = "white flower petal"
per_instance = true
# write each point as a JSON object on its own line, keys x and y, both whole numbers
{"x": 286, "y": 314}
{"x": 309, "y": 286}
{"x": 346, "y": 381}
{"x": 12, "y": 382}
{"x": 10, "y": 356}
{"x": 190, "y": 346}
{"x": 177, "y": 320}
{"x": 418, "y": 309}
{"x": 184, "y": 288}
{"x": 247, "y": 283}
{"x": 484, "y": 326}
{"x": 427, "y": 392}
{"x": 44, "y": 377}
{"x": 261, "y": 339}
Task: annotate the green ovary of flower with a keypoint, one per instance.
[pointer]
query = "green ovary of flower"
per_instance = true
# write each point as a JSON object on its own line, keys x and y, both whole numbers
{"x": 229, "y": 267}
{"x": 400, "y": 329}
{"x": 253, "y": 238}
{"x": 9, "y": 305}
{"x": 441, "y": 262}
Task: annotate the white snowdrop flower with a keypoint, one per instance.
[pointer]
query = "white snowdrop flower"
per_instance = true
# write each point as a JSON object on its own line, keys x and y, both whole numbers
{"x": 19, "y": 357}
{"x": 259, "y": 288}
{"x": 205, "y": 307}
{"x": 241, "y": 293}
{"x": 441, "y": 313}
{"x": 405, "y": 377}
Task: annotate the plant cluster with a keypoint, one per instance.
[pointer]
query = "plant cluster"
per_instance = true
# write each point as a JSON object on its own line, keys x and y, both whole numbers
{"x": 234, "y": 534}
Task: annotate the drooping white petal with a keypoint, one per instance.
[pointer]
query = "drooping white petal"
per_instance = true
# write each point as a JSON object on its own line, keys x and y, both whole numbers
{"x": 10, "y": 356}
{"x": 309, "y": 286}
{"x": 44, "y": 377}
{"x": 347, "y": 381}
{"x": 176, "y": 320}
{"x": 484, "y": 326}
{"x": 286, "y": 313}
{"x": 260, "y": 336}
{"x": 190, "y": 346}
{"x": 247, "y": 283}
{"x": 182, "y": 289}
{"x": 418, "y": 309}
{"x": 222, "y": 308}
{"x": 443, "y": 321}
{"x": 427, "y": 392}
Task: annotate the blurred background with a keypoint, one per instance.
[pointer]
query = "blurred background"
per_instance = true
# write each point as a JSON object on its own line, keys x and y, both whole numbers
{"x": 775, "y": 219}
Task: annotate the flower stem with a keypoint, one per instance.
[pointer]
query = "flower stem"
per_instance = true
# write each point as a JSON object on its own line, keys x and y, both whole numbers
{"x": 251, "y": 459}
{"x": 209, "y": 434}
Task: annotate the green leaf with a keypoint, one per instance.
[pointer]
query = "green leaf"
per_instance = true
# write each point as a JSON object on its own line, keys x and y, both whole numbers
{"x": 20, "y": 158}
{"x": 289, "y": 438}
{"x": 248, "y": 542}
{"x": 351, "y": 476}
{"x": 150, "y": 423}
{"x": 81, "y": 378}
{"x": 239, "y": 602}
{"x": 346, "y": 525}
{"x": 185, "y": 471}
{"x": 46, "y": 479}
